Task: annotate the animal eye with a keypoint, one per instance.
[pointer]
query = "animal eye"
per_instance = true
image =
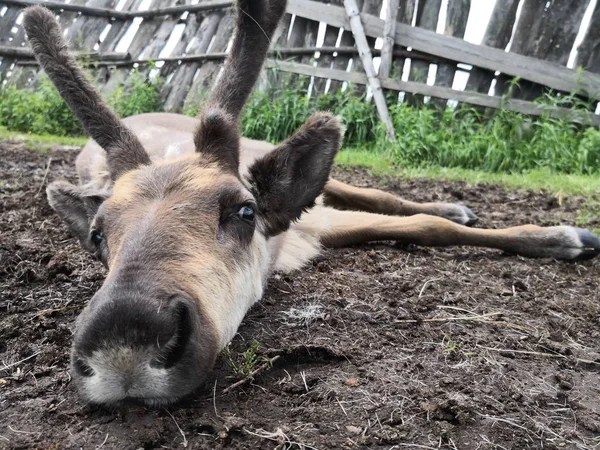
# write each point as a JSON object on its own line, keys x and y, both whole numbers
{"x": 246, "y": 213}
{"x": 97, "y": 237}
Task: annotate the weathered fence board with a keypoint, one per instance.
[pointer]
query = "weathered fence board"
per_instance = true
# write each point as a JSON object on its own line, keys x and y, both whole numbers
{"x": 588, "y": 55}
{"x": 473, "y": 98}
{"x": 184, "y": 74}
{"x": 405, "y": 15}
{"x": 205, "y": 5}
{"x": 7, "y": 36}
{"x": 389, "y": 31}
{"x": 456, "y": 24}
{"x": 85, "y": 31}
{"x": 208, "y": 71}
{"x": 497, "y": 35}
{"x": 546, "y": 30}
{"x": 427, "y": 19}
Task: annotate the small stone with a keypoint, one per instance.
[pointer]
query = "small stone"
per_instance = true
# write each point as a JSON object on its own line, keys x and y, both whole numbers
{"x": 352, "y": 382}
{"x": 354, "y": 430}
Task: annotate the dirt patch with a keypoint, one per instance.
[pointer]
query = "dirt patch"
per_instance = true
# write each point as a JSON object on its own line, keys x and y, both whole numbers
{"x": 379, "y": 346}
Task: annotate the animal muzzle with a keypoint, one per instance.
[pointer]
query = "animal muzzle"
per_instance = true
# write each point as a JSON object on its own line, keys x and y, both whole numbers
{"x": 139, "y": 347}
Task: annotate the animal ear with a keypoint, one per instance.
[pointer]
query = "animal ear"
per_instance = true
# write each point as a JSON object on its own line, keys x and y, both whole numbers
{"x": 76, "y": 206}
{"x": 288, "y": 180}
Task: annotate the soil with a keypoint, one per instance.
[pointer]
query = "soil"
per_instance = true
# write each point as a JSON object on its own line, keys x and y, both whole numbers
{"x": 380, "y": 346}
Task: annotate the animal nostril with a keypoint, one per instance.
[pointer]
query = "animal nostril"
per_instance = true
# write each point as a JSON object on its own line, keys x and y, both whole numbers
{"x": 176, "y": 345}
{"x": 82, "y": 368}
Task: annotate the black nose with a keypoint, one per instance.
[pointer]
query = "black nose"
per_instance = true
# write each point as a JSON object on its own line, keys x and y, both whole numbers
{"x": 171, "y": 353}
{"x": 165, "y": 327}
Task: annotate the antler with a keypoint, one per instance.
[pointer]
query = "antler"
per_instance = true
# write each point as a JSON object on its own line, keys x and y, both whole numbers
{"x": 218, "y": 133}
{"x": 124, "y": 150}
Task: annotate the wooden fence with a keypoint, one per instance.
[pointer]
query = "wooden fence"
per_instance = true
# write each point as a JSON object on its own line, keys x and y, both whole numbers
{"x": 199, "y": 31}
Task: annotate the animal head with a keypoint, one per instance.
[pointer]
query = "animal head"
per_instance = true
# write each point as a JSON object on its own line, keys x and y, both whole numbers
{"x": 185, "y": 241}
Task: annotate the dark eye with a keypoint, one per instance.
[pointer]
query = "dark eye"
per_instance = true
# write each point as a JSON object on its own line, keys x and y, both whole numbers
{"x": 246, "y": 213}
{"x": 97, "y": 237}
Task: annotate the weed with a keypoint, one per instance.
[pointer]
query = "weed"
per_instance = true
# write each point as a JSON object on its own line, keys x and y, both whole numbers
{"x": 243, "y": 364}
{"x": 452, "y": 349}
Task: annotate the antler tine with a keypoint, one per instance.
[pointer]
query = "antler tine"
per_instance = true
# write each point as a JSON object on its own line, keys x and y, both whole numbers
{"x": 124, "y": 150}
{"x": 218, "y": 132}
{"x": 256, "y": 22}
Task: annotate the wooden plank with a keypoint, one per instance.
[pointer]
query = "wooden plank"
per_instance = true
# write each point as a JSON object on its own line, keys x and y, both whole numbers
{"x": 142, "y": 37}
{"x": 280, "y": 40}
{"x": 372, "y": 8}
{"x": 389, "y": 32}
{"x": 497, "y": 35}
{"x": 7, "y": 23}
{"x": 66, "y": 17}
{"x": 184, "y": 76}
{"x": 405, "y": 15}
{"x": 125, "y": 60}
{"x": 547, "y": 31}
{"x": 300, "y": 29}
{"x": 26, "y": 53}
{"x": 118, "y": 28}
{"x": 173, "y": 70}
{"x": 76, "y": 6}
{"x": 148, "y": 29}
{"x": 85, "y": 32}
{"x": 427, "y": 19}
{"x": 341, "y": 61}
{"x": 457, "y": 16}
{"x": 367, "y": 59}
{"x": 543, "y": 72}
{"x": 473, "y": 98}
{"x": 310, "y": 40}
{"x": 325, "y": 58}
{"x": 207, "y": 73}
{"x": 19, "y": 76}
{"x": 588, "y": 53}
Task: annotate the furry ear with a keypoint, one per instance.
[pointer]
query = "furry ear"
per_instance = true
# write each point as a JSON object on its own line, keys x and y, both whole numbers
{"x": 77, "y": 207}
{"x": 288, "y": 180}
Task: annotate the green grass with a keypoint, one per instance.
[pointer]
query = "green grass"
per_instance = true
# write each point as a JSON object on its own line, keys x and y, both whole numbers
{"x": 540, "y": 179}
{"x": 41, "y": 141}
{"x": 42, "y": 111}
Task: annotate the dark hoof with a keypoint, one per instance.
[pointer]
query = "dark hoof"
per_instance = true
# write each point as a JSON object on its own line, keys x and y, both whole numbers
{"x": 589, "y": 242}
{"x": 472, "y": 218}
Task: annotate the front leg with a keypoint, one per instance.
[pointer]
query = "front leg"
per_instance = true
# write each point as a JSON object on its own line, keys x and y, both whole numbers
{"x": 336, "y": 228}
{"x": 344, "y": 196}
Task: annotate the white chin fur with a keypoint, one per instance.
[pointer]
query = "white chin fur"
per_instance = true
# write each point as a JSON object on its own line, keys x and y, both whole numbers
{"x": 123, "y": 372}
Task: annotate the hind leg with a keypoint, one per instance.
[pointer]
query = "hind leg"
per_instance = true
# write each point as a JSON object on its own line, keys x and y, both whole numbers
{"x": 336, "y": 228}
{"x": 343, "y": 196}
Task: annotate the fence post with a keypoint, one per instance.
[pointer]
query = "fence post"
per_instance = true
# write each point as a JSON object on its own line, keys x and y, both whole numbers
{"x": 389, "y": 35}
{"x": 367, "y": 60}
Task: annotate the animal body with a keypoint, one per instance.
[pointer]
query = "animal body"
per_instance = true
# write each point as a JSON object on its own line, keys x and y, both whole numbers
{"x": 191, "y": 219}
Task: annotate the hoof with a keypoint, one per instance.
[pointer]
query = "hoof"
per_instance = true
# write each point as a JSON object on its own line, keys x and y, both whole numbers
{"x": 459, "y": 214}
{"x": 590, "y": 244}
{"x": 471, "y": 218}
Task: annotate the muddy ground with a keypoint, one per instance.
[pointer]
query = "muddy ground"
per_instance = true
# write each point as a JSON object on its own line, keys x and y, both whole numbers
{"x": 379, "y": 346}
